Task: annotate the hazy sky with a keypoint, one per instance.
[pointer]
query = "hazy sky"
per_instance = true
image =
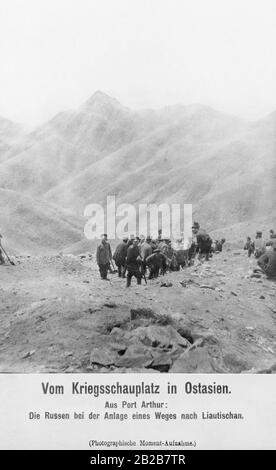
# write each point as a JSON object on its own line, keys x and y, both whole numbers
{"x": 55, "y": 54}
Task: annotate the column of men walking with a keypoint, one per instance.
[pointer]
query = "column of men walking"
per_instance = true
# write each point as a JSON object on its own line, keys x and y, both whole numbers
{"x": 135, "y": 255}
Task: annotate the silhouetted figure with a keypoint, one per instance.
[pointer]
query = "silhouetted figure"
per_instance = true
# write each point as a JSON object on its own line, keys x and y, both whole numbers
{"x": 133, "y": 262}
{"x": 204, "y": 241}
{"x": 104, "y": 256}
{"x": 249, "y": 246}
{"x": 119, "y": 257}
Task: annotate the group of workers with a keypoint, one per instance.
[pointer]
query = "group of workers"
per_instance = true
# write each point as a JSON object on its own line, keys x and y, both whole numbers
{"x": 135, "y": 255}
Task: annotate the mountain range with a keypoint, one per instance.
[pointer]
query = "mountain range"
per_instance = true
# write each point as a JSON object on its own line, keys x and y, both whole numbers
{"x": 223, "y": 165}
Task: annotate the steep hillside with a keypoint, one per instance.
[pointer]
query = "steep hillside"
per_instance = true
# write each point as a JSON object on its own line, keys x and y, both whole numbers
{"x": 31, "y": 226}
{"x": 11, "y": 134}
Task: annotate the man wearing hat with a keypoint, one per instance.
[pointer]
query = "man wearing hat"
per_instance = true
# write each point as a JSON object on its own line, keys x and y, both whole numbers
{"x": 203, "y": 239}
{"x": 104, "y": 256}
{"x": 260, "y": 246}
{"x": 133, "y": 261}
{"x": 267, "y": 262}
{"x": 131, "y": 239}
{"x": 120, "y": 257}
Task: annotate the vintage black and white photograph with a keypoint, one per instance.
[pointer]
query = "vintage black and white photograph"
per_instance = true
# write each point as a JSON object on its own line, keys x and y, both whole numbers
{"x": 137, "y": 186}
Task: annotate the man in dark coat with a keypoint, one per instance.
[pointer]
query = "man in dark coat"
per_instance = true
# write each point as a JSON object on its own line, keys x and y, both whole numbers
{"x": 133, "y": 262}
{"x": 267, "y": 262}
{"x": 120, "y": 257}
{"x": 249, "y": 246}
{"x": 104, "y": 256}
{"x": 204, "y": 241}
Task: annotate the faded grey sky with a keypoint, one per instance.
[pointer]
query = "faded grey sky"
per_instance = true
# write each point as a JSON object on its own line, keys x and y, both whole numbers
{"x": 54, "y": 54}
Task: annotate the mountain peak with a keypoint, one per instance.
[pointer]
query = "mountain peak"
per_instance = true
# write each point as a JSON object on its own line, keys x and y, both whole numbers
{"x": 101, "y": 95}
{"x": 100, "y": 101}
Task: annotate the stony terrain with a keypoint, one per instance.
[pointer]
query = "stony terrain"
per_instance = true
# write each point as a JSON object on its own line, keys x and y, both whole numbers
{"x": 57, "y": 316}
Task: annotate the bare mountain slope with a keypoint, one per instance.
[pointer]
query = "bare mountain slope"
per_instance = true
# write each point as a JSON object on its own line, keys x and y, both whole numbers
{"x": 227, "y": 174}
{"x": 32, "y": 226}
{"x": 193, "y": 154}
{"x": 11, "y": 134}
{"x": 73, "y": 140}
{"x": 70, "y": 142}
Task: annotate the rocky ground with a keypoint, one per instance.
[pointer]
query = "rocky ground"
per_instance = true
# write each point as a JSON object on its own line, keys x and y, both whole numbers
{"x": 58, "y": 316}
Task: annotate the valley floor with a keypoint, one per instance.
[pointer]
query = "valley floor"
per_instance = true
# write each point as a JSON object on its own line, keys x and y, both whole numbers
{"x": 57, "y": 315}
